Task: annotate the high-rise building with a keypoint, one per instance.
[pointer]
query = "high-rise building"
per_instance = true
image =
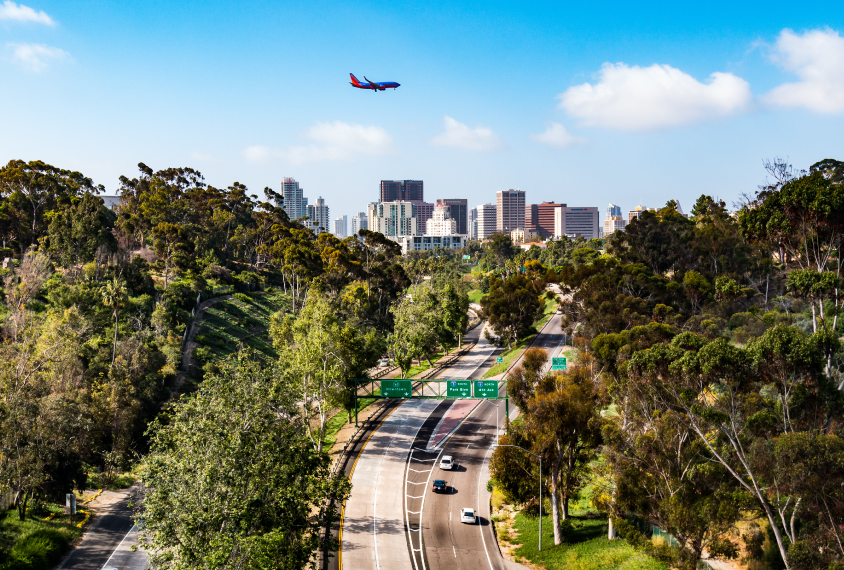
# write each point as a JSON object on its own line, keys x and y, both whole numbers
{"x": 613, "y": 210}
{"x": 393, "y": 219}
{"x": 441, "y": 223}
{"x": 510, "y": 210}
{"x": 293, "y": 202}
{"x": 424, "y": 211}
{"x": 401, "y": 190}
{"x": 487, "y": 220}
{"x": 341, "y": 227}
{"x": 318, "y": 215}
{"x": 613, "y": 224}
{"x": 458, "y": 211}
{"x": 473, "y": 223}
{"x": 359, "y": 222}
{"x": 539, "y": 218}
{"x": 577, "y": 222}
{"x": 635, "y": 213}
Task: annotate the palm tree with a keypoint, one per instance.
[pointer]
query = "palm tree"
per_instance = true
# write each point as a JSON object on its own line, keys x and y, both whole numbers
{"x": 114, "y": 293}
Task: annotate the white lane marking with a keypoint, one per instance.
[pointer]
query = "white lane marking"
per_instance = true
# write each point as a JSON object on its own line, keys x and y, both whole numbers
{"x": 467, "y": 445}
{"x": 416, "y": 483}
{"x": 480, "y": 527}
{"x": 414, "y": 512}
{"x": 454, "y": 550}
{"x": 134, "y": 527}
{"x": 432, "y": 459}
{"x": 423, "y": 471}
{"x": 411, "y": 497}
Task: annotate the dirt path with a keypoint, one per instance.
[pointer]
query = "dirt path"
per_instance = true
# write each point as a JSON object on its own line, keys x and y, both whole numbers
{"x": 188, "y": 360}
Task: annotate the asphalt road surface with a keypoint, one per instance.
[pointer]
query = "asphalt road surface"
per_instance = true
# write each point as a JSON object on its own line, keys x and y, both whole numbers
{"x": 109, "y": 530}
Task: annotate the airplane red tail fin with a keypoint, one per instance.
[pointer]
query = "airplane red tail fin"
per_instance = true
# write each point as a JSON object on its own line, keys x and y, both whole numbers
{"x": 355, "y": 81}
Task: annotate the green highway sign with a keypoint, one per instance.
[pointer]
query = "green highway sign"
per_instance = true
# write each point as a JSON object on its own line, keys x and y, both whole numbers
{"x": 459, "y": 389}
{"x": 396, "y": 388}
{"x": 486, "y": 388}
{"x": 558, "y": 363}
{"x": 467, "y": 257}
{"x": 499, "y": 359}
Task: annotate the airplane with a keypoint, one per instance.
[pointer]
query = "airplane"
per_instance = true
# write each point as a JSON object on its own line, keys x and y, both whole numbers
{"x": 376, "y": 87}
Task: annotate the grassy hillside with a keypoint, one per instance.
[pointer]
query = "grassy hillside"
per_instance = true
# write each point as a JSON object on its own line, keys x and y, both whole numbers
{"x": 240, "y": 322}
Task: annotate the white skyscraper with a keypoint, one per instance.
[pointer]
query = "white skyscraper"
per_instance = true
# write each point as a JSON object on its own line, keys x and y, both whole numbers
{"x": 319, "y": 216}
{"x": 294, "y": 204}
{"x": 340, "y": 227}
{"x": 393, "y": 219}
{"x": 359, "y": 222}
{"x": 441, "y": 223}
{"x": 487, "y": 220}
{"x": 577, "y": 222}
{"x": 613, "y": 211}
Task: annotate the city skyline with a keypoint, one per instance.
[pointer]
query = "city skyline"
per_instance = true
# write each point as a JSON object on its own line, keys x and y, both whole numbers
{"x": 585, "y": 100}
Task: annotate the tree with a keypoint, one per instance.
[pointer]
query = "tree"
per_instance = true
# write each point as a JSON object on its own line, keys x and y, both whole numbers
{"x": 114, "y": 294}
{"x": 311, "y": 356}
{"x": 512, "y": 306}
{"x": 773, "y": 388}
{"x": 35, "y": 188}
{"x": 451, "y": 305}
{"x": 76, "y": 232}
{"x": 232, "y": 479}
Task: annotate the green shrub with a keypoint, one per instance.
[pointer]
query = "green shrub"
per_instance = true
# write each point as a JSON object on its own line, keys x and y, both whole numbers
{"x": 201, "y": 339}
{"x": 202, "y": 353}
{"x": 41, "y": 549}
{"x": 241, "y": 297}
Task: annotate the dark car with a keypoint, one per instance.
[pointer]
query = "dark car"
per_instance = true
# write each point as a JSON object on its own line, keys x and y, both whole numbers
{"x": 439, "y": 486}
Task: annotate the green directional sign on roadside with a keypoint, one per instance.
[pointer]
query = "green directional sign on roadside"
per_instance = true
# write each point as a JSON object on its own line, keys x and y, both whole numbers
{"x": 396, "y": 388}
{"x": 467, "y": 257}
{"x": 499, "y": 359}
{"x": 486, "y": 388}
{"x": 459, "y": 389}
{"x": 558, "y": 363}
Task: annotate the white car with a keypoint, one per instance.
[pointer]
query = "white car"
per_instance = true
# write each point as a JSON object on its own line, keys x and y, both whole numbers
{"x": 447, "y": 463}
{"x": 384, "y": 362}
{"x": 468, "y": 516}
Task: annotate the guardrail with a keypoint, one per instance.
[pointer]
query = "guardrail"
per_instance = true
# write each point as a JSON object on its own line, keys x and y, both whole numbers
{"x": 437, "y": 368}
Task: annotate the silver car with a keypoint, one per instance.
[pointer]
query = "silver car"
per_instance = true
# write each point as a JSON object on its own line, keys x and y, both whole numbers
{"x": 468, "y": 516}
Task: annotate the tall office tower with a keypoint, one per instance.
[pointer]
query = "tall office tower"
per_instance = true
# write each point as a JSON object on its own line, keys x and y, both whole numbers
{"x": 359, "y": 222}
{"x": 577, "y": 222}
{"x": 340, "y": 227}
{"x": 294, "y": 203}
{"x": 424, "y": 212}
{"x": 458, "y": 211}
{"x": 401, "y": 190}
{"x": 612, "y": 224}
{"x": 319, "y": 216}
{"x": 539, "y": 218}
{"x": 441, "y": 223}
{"x": 635, "y": 213}
{"x": 393, "y": 219}
{"x": 473, "y": 223}
{"x": 487, "y": 220}
{"x": 510, "y": 210}
{"x": 613, "y": 211}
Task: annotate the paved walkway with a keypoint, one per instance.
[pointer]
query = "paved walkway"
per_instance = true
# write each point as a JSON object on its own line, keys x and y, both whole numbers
{"x": 373, "y": 523}
{"x": 112, "y": 522}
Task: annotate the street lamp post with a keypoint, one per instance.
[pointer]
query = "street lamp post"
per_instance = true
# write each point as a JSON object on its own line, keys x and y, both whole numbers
{"x": 540, "y": 484}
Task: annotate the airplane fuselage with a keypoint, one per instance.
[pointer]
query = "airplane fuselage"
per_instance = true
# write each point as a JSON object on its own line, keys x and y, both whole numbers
{"x": 372, "y": 85}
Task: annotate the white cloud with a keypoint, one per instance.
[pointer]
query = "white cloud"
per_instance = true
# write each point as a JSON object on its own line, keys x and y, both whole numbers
{"x": 557, "y": 135}
{"x": 817, "y": 58}
{"x": 20, "y": 13}
{"x": 332, "y": 141}
{"x": 642, "y": 98}
{"x": 458, "y": 135}
{"x": 35, "y": 57}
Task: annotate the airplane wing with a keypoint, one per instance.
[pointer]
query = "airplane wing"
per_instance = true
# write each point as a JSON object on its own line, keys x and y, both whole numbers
{"x": 374, "y": 85}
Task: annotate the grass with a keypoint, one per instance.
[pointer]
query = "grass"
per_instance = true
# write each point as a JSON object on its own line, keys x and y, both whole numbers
{"x": 338, "y": 420}
{"x": 509, "y": 355}
{"x": 420, "y": 368}
{"x": 113, "y": 481}
{"x": 36, "y": 544}
{"x": 475, "y": 296}
{"x": 587, "y": 548}
{"x": 227, "y": 325}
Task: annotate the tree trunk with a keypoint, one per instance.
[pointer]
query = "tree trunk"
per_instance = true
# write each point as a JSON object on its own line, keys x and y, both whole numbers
{"x": 114, "y": 346}
{"x": 555, "y": 503}
{"x": 565, "y": 507}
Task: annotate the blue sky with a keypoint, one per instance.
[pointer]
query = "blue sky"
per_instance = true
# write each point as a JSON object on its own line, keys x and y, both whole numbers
{"x": 583, "y": 103}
